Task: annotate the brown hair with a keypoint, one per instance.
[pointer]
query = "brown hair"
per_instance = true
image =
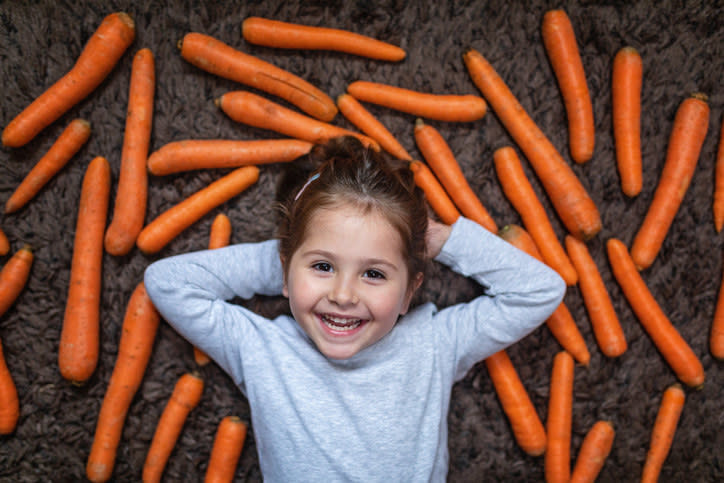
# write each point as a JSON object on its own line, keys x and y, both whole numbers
{"x": 350, "y": 173}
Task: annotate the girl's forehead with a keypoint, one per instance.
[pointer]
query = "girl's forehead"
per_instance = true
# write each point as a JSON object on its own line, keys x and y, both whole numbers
{"x": 350, "y": 219}
{"x": 359, "y": 212}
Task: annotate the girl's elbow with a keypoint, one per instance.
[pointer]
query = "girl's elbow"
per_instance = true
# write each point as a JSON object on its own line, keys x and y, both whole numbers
{"x": 553, "y": 291}
{"x": 559, "y": 288}
{"x": 153, "y": 278}
{"x": 149, "y": 276}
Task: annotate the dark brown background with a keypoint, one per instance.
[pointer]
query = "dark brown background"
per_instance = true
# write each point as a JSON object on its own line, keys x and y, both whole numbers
{"x": 682, "y": 48}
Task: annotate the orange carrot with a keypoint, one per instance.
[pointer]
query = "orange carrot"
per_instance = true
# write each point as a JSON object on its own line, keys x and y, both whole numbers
{"x": 200, "y": 357}
{"x": 560, "y": 322}
{"x": 716, "y": 337}
{"x": 257, "y": 111}
{"x": 176, "y": 219}
{"x": 9, "y": 402}
{"x": 521, "y": 195}
{"x": 185, "y": 397}
{"x": 99, "y": 56}
{"x": 435, "y": 194}
{"x": 228, "y": 443}
{"x": 285, "y": 35}
{"x": 564, "y": 329}
{"x": 129, "y": 210}
{"x": 685, "y": 142}
{"x": 605, "y": 323}
{"x": 191, "y": 154}
{"x": 14, "y": 276}
{"x": 138, "y": 332}
{"x": 78, "y": 351}
{"x": 718, "y": 203}
{"x": 370, "y": 125}
{"x": 626, "y": 103}
{"x": 4, "y": 243}
{"x": 594, "y": 450}
{"x": 63, "y": 149}
{"x": 558, "y": 426}
{"x": 559, "y": 40}
{"x": 220, "y": 59}
{"x": 527, "y": 426}
{"x": 667, "y": 339}
{"x": 662, "y": 434}
{"x": 566, "y": 192}
{"x": 442, "y": 161}
{"x": 454, "y": 108}
{"x": 220, "y": 234}
{"x": 218, "y": 237}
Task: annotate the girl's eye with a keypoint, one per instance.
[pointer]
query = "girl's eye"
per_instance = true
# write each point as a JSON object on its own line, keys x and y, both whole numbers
{"x": 322, "y": 267}
{"x": 375, "y": 274}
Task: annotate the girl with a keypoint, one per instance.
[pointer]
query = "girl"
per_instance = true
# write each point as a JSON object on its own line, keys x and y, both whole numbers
{"x": 353, "y": 386}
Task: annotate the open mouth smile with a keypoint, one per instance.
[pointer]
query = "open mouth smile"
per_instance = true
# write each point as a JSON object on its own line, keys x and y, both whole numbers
{"x": 340, "y": 324}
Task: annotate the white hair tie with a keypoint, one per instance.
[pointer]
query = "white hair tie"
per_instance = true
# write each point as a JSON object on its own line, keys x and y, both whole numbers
{"x": 312, "y": 178}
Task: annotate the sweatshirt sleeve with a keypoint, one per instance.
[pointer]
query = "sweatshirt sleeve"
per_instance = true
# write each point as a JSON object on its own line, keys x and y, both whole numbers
{"x": 520, "y": 293}
{"x": 191, "y": 292}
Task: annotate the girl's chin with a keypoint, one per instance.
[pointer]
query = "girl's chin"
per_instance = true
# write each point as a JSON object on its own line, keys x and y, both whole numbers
{"x": 336, "y": 354}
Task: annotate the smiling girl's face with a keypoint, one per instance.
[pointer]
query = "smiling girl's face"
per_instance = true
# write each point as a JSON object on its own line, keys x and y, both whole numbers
{"x": 348, "y": 281}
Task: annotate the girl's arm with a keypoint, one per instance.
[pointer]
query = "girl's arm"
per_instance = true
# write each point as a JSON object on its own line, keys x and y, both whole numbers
{"x": 223, "y": 273}
{"x": 190, "y": 291}
{"x": 520, "y": 293}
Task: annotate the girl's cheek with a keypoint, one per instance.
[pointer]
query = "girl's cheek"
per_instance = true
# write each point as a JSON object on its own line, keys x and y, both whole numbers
{"x": 391, "y": 303}
{"x": 307, "y": 290}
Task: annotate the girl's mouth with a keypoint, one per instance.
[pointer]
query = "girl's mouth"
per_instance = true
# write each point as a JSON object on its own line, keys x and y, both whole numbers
{"x": 340, "y": 324}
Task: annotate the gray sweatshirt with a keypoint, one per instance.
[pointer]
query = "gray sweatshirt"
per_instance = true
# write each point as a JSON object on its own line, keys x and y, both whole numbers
{"x": 381, "y": 415}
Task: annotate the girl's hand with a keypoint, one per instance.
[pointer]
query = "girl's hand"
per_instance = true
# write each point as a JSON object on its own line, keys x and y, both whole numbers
{"x": 437, "y": 235}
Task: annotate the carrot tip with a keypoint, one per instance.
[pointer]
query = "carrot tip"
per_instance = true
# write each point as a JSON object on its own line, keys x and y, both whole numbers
{"x": 127, "y": 19}
{"x": 536, "y": 452}
{"x": 505, "y": 229}
{"x": 589, "y": 236}
{"x": 700, "y": 96}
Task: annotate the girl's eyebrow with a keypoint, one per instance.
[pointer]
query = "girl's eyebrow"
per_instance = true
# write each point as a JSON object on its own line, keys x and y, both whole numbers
{"x": 366, "y": 261}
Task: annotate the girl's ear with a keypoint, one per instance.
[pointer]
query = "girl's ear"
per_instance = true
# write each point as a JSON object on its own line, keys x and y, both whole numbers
{"x": 411, "y": 289}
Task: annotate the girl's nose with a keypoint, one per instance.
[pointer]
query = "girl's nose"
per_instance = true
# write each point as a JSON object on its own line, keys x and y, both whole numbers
{"x": 343, "y": 292}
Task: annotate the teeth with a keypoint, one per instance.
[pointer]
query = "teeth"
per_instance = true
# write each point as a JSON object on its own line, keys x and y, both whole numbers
{"x": 341, "y": 324}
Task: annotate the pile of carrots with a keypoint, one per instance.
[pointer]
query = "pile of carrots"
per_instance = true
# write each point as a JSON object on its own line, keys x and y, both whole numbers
{"x": 438, "y": 174}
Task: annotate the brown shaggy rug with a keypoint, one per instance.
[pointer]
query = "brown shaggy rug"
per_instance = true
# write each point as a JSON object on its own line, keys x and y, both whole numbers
{"x": 682, "y": 47}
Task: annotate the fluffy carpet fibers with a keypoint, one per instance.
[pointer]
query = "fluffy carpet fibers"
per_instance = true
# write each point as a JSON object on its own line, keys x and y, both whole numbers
{"x": 682, "y": 46}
